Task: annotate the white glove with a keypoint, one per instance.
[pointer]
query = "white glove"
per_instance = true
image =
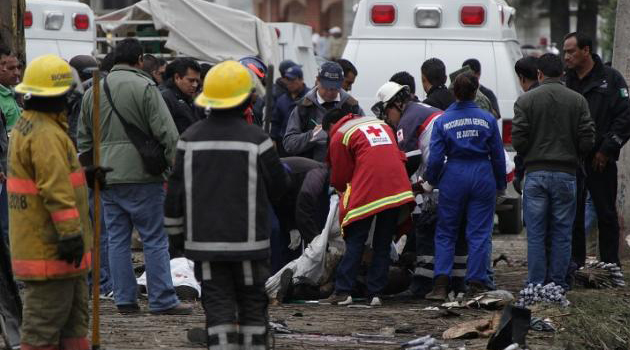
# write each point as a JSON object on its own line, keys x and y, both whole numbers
{"x": 296, "y": 239}
{"x": 426, "y": 187}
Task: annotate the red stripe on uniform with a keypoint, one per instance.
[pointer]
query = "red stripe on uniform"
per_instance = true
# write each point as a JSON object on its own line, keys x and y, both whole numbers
{"x": 75, "y": 343}
{"x": 21, "y": 186}
{"x": 77, "y": 179}
{"x": 64, "y": 215}
{"x": 428, "y": 121}
{"x": 48, "y": 268}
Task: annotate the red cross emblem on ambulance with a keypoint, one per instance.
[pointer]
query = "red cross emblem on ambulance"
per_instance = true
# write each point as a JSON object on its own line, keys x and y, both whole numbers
{"x": 376, "y": 134}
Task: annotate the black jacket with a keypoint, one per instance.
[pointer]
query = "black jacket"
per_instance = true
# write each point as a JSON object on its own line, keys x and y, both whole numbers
{"x": 492, "y": 97}
{"x": 552, "y": 128}
{"x": 607, "y": 94}
{"x": 439, "y": 97}
{"x": 218, "y": 194}
{"x": 181, "y": 106}
{"x": 305, "y": 206}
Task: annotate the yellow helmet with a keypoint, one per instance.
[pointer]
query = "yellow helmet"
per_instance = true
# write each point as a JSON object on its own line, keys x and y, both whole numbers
{"x": 46, "y": 76}
{"x": 226, "y": 85}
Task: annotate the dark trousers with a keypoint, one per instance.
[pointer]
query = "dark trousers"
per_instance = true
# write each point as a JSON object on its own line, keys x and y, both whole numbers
{"x": 603, "y": 189}
{"x": 235, "y": 303}
{"x": 355, "y": 236}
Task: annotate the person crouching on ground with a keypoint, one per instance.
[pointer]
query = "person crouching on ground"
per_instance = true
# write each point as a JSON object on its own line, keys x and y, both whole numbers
{"x": 469, "y": 139}
{"x": 367, "y": 166}
{"x": 216, "y": 208}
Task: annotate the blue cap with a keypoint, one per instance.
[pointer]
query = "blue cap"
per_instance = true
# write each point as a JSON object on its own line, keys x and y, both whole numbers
{"x": 294, "y": 72}
{"x": 284, "y": 65}
{"x": 330, "y": 75}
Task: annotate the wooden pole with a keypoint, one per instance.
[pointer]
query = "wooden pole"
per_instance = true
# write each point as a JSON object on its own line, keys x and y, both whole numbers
{"x": 621, "y": 62}
{"x": 12, "y": 26}
{"x": 96, "y": 265}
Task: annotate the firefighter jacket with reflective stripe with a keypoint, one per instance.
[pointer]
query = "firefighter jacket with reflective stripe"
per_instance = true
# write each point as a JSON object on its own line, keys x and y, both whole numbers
{"x": 225, "y": 173}
{"x": 368, "y": 167}
{"x": 47, "y": 198}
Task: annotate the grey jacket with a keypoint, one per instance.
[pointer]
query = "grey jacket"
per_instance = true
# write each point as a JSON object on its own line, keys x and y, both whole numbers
{"x": 552, "y": 128}
{"x": 138, "y": 100}
{"x": 298, "y": 139}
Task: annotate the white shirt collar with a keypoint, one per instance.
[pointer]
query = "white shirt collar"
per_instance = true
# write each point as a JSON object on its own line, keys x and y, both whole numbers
{"x": 321, "y": 101}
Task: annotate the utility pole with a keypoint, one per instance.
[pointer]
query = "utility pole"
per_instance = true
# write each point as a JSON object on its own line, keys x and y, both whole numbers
{"x": 621, "y": 62}
{"x": 12, "y": 26}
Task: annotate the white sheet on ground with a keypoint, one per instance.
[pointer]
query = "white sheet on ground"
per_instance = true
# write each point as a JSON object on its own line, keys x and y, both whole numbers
{"x": 182, "y": 273}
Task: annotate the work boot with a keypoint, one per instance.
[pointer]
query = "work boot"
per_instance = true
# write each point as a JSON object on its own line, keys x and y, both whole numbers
{"x": 475, "y": 287}
{"x": 338, "y": 299}
{"x": 179, "y": 309}
{"x": 285, "y": 282}
{"x": 128, "y": 309}
{"x": 440, "y": 289}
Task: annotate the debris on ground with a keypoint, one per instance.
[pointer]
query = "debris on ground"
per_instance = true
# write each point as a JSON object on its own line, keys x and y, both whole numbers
{"x": 424, "y": 343}
{"x": 596, "y": 274}
{"x": 542, "y": 325}
{"x": 512, "y": 328}
{"x": 479, "y": 328}
{"x": 492, "y": 300}
{"x": 549, "y": 293}
{"x": 502, "y": 257}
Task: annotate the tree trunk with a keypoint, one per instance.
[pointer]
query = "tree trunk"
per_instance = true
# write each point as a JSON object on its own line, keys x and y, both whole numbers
{"x": 559, "y": 21}
{"x": 12, "y": 26}
{"x": 587, "y": 19}
{"x": 621, "y": 61}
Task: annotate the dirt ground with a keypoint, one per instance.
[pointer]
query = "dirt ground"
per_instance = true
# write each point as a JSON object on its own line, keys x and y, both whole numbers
{"x": 332, "y": 327}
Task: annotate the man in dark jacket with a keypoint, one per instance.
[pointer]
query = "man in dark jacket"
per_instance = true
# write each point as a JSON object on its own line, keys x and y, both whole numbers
{"x": 280, "y": 86}
{"x": 475, "y": 65}
{"x": 285, "y": 104}
{"x": 179, "y": 91}
{"x": 607, "y": 94}
{"x": 552, "y": 129}
{"x": 222, "y": 215}
{"x": 433, "y": 80}
{"x": 304, "y": 136}
{"x": 527, "y": 72}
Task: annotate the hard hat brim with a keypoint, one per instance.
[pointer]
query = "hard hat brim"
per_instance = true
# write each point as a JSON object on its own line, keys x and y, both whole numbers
{"x": 224, "y": 103}
{"x": 42, "y": 92}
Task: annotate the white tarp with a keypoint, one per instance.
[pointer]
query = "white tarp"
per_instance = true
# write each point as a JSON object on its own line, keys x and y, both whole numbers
{"x": 201, "y": 29}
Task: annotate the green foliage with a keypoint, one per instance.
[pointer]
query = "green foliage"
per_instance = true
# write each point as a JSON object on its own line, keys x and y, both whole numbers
{"x": 608, "y": 14}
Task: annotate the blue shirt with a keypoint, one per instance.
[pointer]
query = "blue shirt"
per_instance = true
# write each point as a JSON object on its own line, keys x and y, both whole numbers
{"x": 466, "y": 132}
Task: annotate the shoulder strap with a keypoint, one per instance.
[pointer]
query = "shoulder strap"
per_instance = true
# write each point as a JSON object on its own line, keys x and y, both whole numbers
{"x": 130, "y": 129}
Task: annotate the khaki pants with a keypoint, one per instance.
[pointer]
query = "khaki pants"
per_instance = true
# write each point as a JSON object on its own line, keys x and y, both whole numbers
{"x": 55, "y": 314}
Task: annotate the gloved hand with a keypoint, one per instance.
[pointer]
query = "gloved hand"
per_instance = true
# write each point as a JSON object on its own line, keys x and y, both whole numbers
{"x": 296, "y": 239}
{"x": 518, "y": 183}
{"x": 71, "y": 250}
{"x": 96, "y": 173}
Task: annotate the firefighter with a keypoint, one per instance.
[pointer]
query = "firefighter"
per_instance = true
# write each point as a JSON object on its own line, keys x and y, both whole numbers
{"x": 367, "y": 166}
{"x": 217, "y": 208}
{"x": 50, "y": 232}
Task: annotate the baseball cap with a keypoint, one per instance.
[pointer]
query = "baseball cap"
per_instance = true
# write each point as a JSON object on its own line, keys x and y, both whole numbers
{"x": 84, "y": 64}
{"x": 284, "y": 65}
{"x": 294, "y": 72}
{"x": 330, "y": 75}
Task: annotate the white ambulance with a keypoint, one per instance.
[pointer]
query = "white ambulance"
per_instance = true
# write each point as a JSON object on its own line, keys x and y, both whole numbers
{"x": 61, "y": 27}
{"x": 389, "y": 36}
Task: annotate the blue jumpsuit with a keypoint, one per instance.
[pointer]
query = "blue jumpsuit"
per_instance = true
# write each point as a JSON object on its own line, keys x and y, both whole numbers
{"x": 467, "y": 164}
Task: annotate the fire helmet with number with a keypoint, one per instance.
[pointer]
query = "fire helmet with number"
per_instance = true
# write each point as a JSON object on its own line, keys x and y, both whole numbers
{"x": 47, "y": 76}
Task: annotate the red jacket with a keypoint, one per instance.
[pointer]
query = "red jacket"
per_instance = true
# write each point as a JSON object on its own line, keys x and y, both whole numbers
{"x": 368, "y": 167}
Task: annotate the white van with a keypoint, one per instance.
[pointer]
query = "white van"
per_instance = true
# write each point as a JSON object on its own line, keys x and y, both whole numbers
{"x": 389, "y": 36}
{"x": 64, "y": 28}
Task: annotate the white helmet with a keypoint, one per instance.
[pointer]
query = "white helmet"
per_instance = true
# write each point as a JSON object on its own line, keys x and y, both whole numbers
{"x": 385, "y": 95}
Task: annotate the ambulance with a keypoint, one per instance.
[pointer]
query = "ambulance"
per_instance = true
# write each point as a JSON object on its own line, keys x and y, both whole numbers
{"x": 61, "y": 27}
{"x": 389, "y": 36}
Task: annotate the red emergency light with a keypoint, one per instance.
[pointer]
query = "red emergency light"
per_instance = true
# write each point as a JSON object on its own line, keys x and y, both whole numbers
{"x": 473, "y": 15}
{"x": 80, "y": 21}
{"x": 28, "y": 19}
{"x": 507, "y": 132}
{"x": 383, "y": 14}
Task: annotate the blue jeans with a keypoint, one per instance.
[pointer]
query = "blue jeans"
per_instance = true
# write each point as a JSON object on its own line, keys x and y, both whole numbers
{"x": 590, "y": 215}
{"x": 105, "y": 285}
{"x": 549, "y": 203}
{"x": 355, "y": 236}
{"x": 140, "y": 206}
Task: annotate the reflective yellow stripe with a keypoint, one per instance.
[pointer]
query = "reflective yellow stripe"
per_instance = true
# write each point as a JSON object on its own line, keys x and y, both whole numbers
{"x": 383, "y": 202}
{"x": 346, "y": 136}
{"x": 346, "y": 195}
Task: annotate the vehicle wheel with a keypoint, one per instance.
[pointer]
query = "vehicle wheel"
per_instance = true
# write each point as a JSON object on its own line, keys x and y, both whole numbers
{"x": 511, "y": 221}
